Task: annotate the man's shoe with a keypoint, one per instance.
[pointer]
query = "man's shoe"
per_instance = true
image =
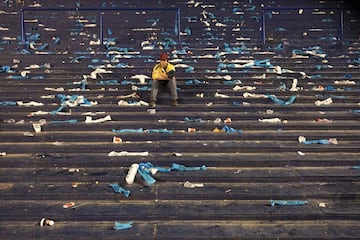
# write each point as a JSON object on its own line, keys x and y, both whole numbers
{"x": 152, "y": 103}
{"x": 175, "y": 102}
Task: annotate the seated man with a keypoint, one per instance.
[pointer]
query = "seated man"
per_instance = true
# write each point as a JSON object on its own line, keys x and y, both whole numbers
{"x": 163, "y": 74}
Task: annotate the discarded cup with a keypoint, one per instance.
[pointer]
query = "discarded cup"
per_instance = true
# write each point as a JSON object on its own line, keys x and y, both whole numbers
{"x": 69, "y": 205}
{"x": 151, "y": 111}
{"x": 191, "y": 129}
{"x": 45, "y": 221}
{"x": 217, "y": 120}
{"x": 37, "y": 127}
{"x": 117, "y": 140}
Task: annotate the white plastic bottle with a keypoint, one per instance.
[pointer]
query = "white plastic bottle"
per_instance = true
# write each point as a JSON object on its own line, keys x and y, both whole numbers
{"x": 130, "y": 177}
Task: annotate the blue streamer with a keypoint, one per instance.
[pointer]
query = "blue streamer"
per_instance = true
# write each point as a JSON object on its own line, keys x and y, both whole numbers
{"x": 287, "y": 203}
{"x": 127, "y": 130}
{"x": 179, "y": 167}
{"x": 282, "y": 102}
{"x": 119, "y": 189}
{"x": 144, "y": 171}
{"x": 228, "y": 129}
{"x": 120, "y": 226}
{"x": 318, "y": 141}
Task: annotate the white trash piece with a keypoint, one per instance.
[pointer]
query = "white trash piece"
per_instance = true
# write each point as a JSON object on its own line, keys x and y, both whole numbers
{"x": 45, "y": 221}
{"x": 37, "y": 127}
{"x": 130, "y": 177}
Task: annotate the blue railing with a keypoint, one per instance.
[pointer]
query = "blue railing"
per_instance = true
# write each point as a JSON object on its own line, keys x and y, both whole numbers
{"x": 340, "y": 32}
{"x": 101, "y": 20}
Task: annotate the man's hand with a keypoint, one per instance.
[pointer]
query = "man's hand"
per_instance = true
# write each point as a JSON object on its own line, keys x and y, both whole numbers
{"x": 163, "y": 76}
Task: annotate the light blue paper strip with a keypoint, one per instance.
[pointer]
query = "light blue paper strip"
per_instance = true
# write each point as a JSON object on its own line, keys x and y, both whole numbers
{"x": 179, "y": 167}
{"x": 228, "y": 129}
{"x": 318, "y": 141}
{"x": 65, "y": 121}
{"x": 287, "y": 203}
{"x": 282, "y": 102}
{"x": 120, "y": 226}
{"x": 128, "y": 130}
{"x": 355, "y": 167}
{"x": 119, "y": 189}
{"x": 144, "y": 171}
{"x": 8, "y": 103}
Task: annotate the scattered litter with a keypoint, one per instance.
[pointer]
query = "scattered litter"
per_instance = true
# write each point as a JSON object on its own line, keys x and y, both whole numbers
{"x": 179, "y": 167}
{"x": 287, "y": 203}
{"x": 301, "y": 153}
{"x": 60, "y": 89}
{"x": 71, "y": 121}
{"x": 355, "y": 167}
{"x": 323, "y": 205}
{"x": 209, "y": 104}
{"x": 345, "y": 82}
{"x": 160, "y": 130}
{"x": 241, "y": 88}
{"x": 126, "y": 153}
{"x": 187, "y": 119}
{"x": 327, "y": 101}
{"x": 151, "y": 110}
{"x": 120, "y": 226}
{"x": 28, "y": 134}
{"x": 188, "y": 184}
{"x": 253, "y": 95}
{"x": 117, "y": 139}
{"x": 132, "y": 103}
{"x": 46, "y": 222}
{"x": 130, "y": 177}
{"x": 131, "y": 95}
{"x": 302, "y": 139}
{"x": 128, "y": 130}
{"x": 176, "y": 154}
{"x": 270, "y": 120}
{"x": 142, "y": 78}
{"x": 294, "y": 87}
{"x": 32, "y": 103}
{"x": 217, "y": 120}
{"x": 219, "y": 95}
{"x": 144, "y": 170}
{"x": 191, "y": 129}
{"x": 69, "y": 205}
{"x": 99, "y": 120}
{"x": 72, "y": 170}
{"x": 119, "y": 189}
{"x": 228, "y": 129}
{"x": 281, "y": 102}
{"x": 324, "y": 120}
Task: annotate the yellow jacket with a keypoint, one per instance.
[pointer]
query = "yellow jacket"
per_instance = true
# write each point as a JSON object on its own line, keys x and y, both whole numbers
{"x": 169, "y": 70}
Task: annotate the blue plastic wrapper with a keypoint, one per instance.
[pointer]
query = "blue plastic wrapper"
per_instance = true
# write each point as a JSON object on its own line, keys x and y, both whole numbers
{"x": 287, "y": 202}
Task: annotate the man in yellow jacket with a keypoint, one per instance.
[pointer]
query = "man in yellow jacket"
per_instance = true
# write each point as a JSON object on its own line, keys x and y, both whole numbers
{"x": 163, "y": 74}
